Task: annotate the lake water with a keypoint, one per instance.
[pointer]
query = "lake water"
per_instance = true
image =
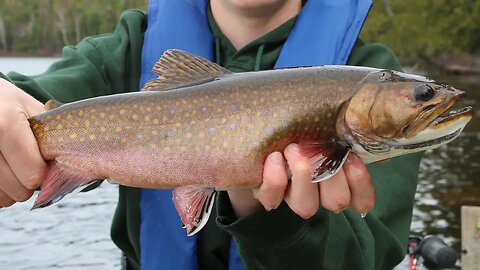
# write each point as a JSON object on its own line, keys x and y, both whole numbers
{"x": 74, "y": 234}
{"x": 450, "y": 175}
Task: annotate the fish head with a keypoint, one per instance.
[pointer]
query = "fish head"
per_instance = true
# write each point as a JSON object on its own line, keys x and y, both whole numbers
{"x": 394, "y": 113}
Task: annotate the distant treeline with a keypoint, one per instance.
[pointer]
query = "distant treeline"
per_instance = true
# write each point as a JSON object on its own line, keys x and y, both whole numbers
{"x": 45, "y": 26}
{"x": 425, "y": 27}
{"x": 409, "y": 27}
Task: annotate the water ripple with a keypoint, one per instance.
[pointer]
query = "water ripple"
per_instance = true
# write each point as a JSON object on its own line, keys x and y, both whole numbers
{"x": 74, "y": 234}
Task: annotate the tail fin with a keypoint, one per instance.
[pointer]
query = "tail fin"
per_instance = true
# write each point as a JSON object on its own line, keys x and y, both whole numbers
{"x": 60, "y": 181}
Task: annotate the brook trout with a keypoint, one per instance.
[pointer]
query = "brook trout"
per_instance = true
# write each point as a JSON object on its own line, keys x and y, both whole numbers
{"x": 198, "y": 127}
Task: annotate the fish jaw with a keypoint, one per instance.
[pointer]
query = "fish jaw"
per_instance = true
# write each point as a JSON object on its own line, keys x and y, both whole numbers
{"x": 440, "y": 131}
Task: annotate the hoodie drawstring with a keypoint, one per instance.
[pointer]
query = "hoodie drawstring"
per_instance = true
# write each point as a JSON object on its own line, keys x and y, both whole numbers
{"x": 258, "y": 58}
{"x": 217, "y": 50}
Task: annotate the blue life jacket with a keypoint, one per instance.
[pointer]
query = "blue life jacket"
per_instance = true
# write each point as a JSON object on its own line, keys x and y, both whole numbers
{"x": 324, "y": 33}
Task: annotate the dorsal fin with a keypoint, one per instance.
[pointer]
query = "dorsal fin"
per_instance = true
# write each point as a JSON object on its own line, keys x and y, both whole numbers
{"x": 178, "y": 68}
{"x": 52, "y": 104}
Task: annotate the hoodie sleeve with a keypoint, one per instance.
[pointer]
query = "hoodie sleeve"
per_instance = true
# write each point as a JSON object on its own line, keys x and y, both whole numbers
{"x": 279, "y": 239}
{"x": 99, "y": 65}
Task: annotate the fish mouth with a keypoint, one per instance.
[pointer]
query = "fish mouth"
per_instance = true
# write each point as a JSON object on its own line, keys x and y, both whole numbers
{"x": 447, "y": 117}
{"x": 443, "y": 128}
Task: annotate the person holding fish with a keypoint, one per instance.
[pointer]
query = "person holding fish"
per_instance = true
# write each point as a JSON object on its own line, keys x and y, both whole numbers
{"x": 277, "y": 221}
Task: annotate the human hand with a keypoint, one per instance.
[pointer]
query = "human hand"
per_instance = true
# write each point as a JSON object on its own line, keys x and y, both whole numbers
{"x": 21, "y": 165}
{"x": 351, "y": 186}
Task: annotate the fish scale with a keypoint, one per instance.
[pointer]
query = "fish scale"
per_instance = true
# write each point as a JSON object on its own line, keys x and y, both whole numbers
{"x": 175, "y": 124}
{"x": 198, "y": 127}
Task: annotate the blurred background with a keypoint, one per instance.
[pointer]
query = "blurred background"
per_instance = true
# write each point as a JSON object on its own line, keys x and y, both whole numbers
{"x": 435, "y": 38}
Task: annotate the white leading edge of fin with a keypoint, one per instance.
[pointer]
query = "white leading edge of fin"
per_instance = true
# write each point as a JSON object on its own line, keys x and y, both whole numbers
{"x": 194, "y": 205}
{"x": 328, "y": 174}
{"x": 205, "y": 215}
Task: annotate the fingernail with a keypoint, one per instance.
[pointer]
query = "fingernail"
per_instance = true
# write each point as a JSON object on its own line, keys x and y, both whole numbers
{"x": 268, "y": 209}
{"x": 363, "y": 215}
{"x": 276, "y": 158}
{"x": 291, "y": 148}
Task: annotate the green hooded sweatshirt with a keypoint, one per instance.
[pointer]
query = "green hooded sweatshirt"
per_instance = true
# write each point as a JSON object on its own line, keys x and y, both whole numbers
{"x": 279, "y": 239}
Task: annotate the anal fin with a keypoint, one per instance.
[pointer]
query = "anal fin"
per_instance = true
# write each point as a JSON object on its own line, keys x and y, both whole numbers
{"x": 326, "y": 157}
{"x": 61, "y": 180}
{"x": 194, "y": 205}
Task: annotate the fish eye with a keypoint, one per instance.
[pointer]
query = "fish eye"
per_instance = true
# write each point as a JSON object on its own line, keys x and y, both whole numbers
{"x": 423, "y": 92}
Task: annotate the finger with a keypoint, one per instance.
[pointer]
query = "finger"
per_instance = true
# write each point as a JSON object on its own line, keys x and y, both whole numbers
{"x": 26, "y": 102}
{"x": 17, "y": 143}
{"x": 20, "y": 150}
{"x": 243, "y": 202}
{"x": 335, "y": 193}
{"x": 5, "y": 200}
{"x": 10, "y": 185}
{"x": 361, "y": 187}
{"x": 302, "y": 194}
{"x": 275, "y": 181}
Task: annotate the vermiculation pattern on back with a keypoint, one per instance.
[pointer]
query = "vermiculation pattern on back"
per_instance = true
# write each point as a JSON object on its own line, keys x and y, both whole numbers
{"x": 239, "y": 118}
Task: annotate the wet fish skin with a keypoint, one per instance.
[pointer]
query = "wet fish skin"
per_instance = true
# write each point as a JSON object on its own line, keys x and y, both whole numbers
{"x": 201, "y": 128}
{"x": 205, "y": 134}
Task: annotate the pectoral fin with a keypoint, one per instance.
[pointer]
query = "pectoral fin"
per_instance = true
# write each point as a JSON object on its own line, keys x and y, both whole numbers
{"x": 194, "y": 205}
{"x": 326, "y": 157}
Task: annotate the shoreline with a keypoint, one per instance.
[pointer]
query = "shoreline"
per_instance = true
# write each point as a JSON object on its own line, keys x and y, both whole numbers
{"x": 39, "y": 53}
{"x": 454, "y": 64}
{"x": 460, "y": 64}
{"x": 450, "y": 64}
